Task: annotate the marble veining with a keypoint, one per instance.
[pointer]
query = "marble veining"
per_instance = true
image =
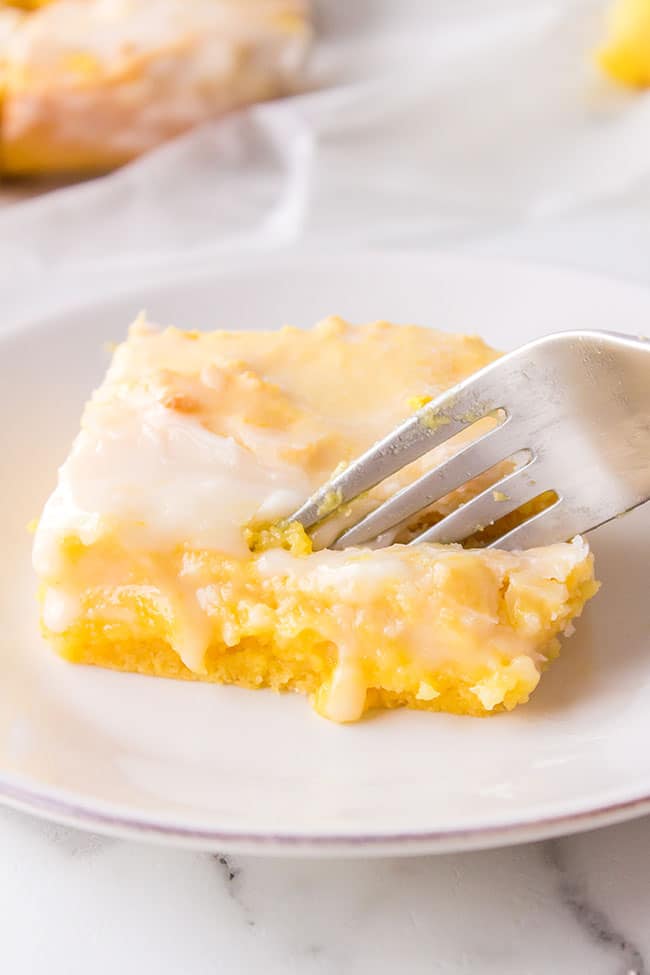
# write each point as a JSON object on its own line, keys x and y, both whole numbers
{"x": 72, "y": 902}
{"x": 592, "y": 919}
{"x": 231, "y": 875}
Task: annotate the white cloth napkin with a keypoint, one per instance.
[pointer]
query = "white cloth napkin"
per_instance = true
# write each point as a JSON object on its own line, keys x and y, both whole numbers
{"x": 427, "y": 123}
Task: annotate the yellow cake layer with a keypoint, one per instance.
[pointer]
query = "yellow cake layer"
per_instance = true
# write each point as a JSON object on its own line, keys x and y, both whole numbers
{"x": 165, "y": 548}
{"x": 435, "y": 627}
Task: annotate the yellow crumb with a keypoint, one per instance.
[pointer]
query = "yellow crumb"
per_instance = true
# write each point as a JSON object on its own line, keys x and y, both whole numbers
{"x": 416, "y": 403}
{"x": 433, "y": 421}
{"x": 290, "y": 536}
{"x": 332, "y": 500}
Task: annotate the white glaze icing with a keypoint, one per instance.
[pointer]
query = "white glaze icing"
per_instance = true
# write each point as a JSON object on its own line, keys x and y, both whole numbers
{"x": 60, "y": 608}
{"x": 163, "y": 480}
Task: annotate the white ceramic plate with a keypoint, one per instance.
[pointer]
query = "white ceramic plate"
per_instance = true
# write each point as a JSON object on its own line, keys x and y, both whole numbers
{"x": 226, "y": 768}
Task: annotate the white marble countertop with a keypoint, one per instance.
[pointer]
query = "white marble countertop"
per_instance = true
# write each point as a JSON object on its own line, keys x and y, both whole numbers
{"x": 73, "y": 903}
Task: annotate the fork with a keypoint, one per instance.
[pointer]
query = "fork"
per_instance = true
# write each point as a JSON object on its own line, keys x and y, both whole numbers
{"x": 571, "y": 415}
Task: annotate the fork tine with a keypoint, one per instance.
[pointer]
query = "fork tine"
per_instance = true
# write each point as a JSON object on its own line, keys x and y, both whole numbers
{"x": 580, "y": 400}
{"x": 485, "y": 508}
{"x": 561, "y": 521}
{"x": 553, "y": 524}
{"x": 435, "y": 423}
{"x": 476, "y": 458}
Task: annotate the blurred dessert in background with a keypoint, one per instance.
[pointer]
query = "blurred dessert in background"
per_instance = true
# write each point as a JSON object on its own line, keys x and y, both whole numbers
{"x": 626, "y": 54}
{"x": 90, "y": 84}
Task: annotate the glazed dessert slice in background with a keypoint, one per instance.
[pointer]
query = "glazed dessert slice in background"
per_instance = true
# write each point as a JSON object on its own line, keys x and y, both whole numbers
{"x": 163, "y": 550}
{"x": 90, "y": 84}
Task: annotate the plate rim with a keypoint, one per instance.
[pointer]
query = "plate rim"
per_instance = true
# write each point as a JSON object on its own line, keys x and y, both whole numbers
{"x": 53, "y": 805}
{"x": 60, "y": 806}
{"x": 203, "y": 269}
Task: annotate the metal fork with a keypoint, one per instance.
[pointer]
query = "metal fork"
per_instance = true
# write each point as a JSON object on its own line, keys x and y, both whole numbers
{"x": 572, "y": 414}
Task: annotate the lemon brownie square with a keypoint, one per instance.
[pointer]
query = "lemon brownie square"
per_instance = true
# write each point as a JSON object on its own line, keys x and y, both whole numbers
{"x": 165, "y": 548}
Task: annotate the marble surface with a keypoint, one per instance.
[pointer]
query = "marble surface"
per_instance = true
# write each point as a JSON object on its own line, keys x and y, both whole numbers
{"x": 73, "y": 903}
